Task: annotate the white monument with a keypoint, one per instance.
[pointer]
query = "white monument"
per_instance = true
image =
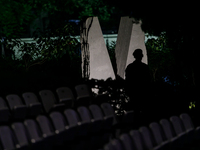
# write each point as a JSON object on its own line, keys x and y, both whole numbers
{"x": 130, "y": 37}
{"x": 96, "y": 62}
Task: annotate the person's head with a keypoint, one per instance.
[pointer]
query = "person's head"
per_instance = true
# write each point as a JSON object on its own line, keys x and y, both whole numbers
{"x": 138, "y": 54}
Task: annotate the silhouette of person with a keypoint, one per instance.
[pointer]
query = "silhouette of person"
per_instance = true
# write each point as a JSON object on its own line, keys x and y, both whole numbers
{"x": 137, "y": 81}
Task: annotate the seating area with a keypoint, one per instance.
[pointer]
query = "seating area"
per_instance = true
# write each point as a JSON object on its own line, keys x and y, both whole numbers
{"x": 177, "y": 132}
{"x": 65, "y": 119}
{"x": 74, "y": 119}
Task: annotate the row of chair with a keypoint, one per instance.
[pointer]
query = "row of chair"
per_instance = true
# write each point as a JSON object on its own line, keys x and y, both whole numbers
{"x": 55, "y": 128}
{"x": 58, "y": 127}
{"x": 18, "y": 108}
{"x": 176, "y": 133}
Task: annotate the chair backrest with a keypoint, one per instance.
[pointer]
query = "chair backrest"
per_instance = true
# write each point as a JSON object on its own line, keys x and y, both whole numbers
{"x": 187, "y": 121}
{"x": 72, "y": 117}
{"x": 65, "y": 94}
{"x": 45, "y": 125}
{"x": 4, "y": 111}
{"x": 19, "y": 110}
{"x": 109, "y": 111}
{"x": 30, "y": 98}
{"x": 147, "y": 137}
{"x": 86, "y": 124}
{"x": 96, "y": 112}
{"x": 14, "y": 100}
{"x": 6, "y": 138}
{"x": 97, "y": 118}
{"x": 84, "y": 114}
{"x": 137, "y": 139}
{"x": 48, "y": 99}
{"x": 3, "y": 104}
{"x": 156, "y": 131}
{"x": 127, "y": 141}
{"x": 188, "y": 127}
{"x": 58, "y": 120}
{"x": 167, "y": 128}
{"x": 33, "y": 131}
{"x": 177, "y": 125}
{"x": 83, "y": 91}
{"x": 20, "y": 133}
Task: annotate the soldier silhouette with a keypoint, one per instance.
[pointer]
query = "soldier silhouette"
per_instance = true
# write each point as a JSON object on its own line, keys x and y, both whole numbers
{"x": 137, "y": 81}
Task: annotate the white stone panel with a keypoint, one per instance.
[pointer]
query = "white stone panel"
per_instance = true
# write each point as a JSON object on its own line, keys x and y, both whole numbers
{"x": 130, "y": 37}
{"x": 99, "y": 61}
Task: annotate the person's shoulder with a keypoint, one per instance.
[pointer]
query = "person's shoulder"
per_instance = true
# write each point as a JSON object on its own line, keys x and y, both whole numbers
{"x": 144, "y": 64}
{"x": 130, "y": 65}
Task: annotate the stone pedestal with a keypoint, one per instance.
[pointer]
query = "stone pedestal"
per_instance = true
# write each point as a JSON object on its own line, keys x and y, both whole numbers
{"x": 130, "y": 37}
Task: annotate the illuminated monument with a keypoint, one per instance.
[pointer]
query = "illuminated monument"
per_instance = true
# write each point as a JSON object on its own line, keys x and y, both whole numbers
{"x": 130, "y": 37}
{"x": 96, "y": 62}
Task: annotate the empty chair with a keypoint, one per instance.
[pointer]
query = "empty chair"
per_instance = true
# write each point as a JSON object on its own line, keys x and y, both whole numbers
{"x": 6, "y": 138}
{"x": 84, "y": 95}
{"x": 31, "y": 101}
{"x": 33, "y": 130}
{"x": 18, "y": 109}
{"x": 85, "y": 121}
{"x": 103, "y": 123}
{"x": 169, "y": 134}
{"x": 109, "y": 111}
{"x": 20, "y": 134}
{"x": 147, "y": 137}
{"x": 89, "y": 127}
{"x": 187, "y": 122}
{"x": 97, "y": 117}
{"x": 127, "y": 141}
{"x": 85, "y": 117}
{"x": 177, "y": 125}
{"x": 46, "y": 127}
{"x": 66, "y": 96}
{"x": 34, "y": 133}
{"x": 96, "y": 112}
{"x": 61, "y": 127}
{"x": 137, "y": 139}
{"x": 49, "y": 101}
{"x": 72, "y": 117}
{"x": 189, "y": 127}
{"x": 4, "y": 111}
{"x": 73, "y": 121}
{"x": 158, "y": 135}
{"x": 84, "y": 114}
{"x": 178, "y": 128}
{"x": 78, "y": 128}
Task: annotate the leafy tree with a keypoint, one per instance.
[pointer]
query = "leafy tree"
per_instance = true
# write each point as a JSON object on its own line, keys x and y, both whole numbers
{"x": 17, "y": 15}
{"x": 160, "y": 58}
{"x": 45, "y": 48}
{"x": 93, "y": 8}
{"x": 14, "y": 15}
